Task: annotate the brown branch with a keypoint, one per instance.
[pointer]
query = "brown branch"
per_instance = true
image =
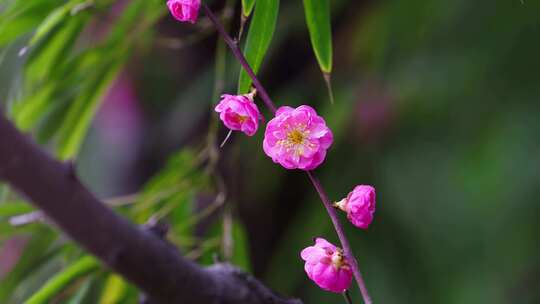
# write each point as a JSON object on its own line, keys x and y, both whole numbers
{"x": 142, "y": 258}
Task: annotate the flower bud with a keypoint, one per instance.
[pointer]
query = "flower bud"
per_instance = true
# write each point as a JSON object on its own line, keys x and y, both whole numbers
{"x": 184, "y": 10}
{"x": 359, "y": 206}
{"x": 239, "y": 113}
{"x": 327, "y": 266}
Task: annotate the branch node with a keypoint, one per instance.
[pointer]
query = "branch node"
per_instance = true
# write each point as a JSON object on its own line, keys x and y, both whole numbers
{"x": 157, "y": 227}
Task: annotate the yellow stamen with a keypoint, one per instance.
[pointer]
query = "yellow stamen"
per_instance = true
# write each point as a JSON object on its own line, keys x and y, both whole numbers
{"x": 295, "y": 137}
{"x": 241, "y": 118}
{"x": 338, "y": 260}
{"x": 296, "y": 140}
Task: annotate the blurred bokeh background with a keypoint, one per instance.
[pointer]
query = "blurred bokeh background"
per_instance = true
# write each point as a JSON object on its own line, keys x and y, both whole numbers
{"x": 437, "y": 104}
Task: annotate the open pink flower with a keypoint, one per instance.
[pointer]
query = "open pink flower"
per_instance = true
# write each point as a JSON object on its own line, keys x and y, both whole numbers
{"x": 184, "y": 10}
{"x": 297, "y": 138}
{"x": 326, "y": 266}
{"x": 359, "y": 205}
{"x": 239, "y": 112}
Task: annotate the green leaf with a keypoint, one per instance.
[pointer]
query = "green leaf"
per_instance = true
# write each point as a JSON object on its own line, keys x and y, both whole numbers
{"x": 171, "y": 191}
{"x": 53, "y": 49}
{"x": 23, "y": 16}
{"x": 9, "y": 209}
{"x": 81, "y": 293}
{"x": 60, "y": 281}
{"x": 81, "y": 112}
{"x": 114, "y": 290}
{"x": 247, "y": 7}
{"x": 34, "y": 255}
{"x": 319, "y": 25}
{"x": 27, "y": 112}
{"x": 53, "y": 108}
{"x": 52, "y": 20}
{"x": 260, "y": 34}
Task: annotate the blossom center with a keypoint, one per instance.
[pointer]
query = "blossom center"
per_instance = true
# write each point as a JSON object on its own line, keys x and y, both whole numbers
{"x": 296, "y": 137}
{"x": 241, "y": 118}
{"x": 338, "y": 260}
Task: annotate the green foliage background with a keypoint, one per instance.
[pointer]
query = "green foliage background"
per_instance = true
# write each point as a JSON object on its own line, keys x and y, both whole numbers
{"x": 436, "y": 104}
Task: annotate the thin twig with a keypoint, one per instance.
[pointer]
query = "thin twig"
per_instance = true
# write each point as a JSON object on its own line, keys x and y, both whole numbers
{"x": 347, "y": 297}
{"x": 226, "y": 139}
{"x": 331, "y": 211}
{"x": 342, "y": 238}
{"x": 243, "y": 22}
{"x": 233, "y": 44}
{"x": 34, "y": 216}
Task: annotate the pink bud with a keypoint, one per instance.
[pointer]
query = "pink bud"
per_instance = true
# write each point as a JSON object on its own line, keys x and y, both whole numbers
{"x": 297, "y": 138}
{"x": 184, "y": 10}
{"x": 359, "y": 205}
{"x": 239, "y": 112}
{"x": 326, "y": 266}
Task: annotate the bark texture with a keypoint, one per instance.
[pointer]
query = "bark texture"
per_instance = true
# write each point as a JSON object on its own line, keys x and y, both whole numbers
{"x": 140, "y": 256}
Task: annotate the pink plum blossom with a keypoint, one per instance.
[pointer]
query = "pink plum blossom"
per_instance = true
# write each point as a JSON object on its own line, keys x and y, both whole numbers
{"x": 327, "y": 266}
{"x": 239, "y": 112}
{"x": 184, "y": 10}
{"x": 297, "y": 138}
{"x": 359, "y": 206}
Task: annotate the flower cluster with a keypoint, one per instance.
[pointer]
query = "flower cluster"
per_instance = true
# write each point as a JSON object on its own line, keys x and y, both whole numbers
{"x": 296, "y": 138}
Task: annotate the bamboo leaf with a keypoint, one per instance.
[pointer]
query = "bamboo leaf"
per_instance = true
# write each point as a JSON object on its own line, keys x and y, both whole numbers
{"x": 33, "y": 257}
{"x": 114, "y": 290}
{"x": 81, "y": 293}
{"x": 9, "y": 209}
{"x": 51, "y": 50}
{"x": 260, "y": 34}
{"x": 171, "y": 192}
{"x": 52, "y": 20}
{"x": 247, "y": 7}
{"x": 27, "y": 112}
{"x": 23, "y": 16}
{"x": 81, "y": 113}
{"x": 60, "y": 281}
{"x": 319, "y": 25}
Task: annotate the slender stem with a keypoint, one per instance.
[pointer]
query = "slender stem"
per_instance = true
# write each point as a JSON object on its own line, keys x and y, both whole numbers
{"x": 327, "y": 204}
{"x": 243, "y": 21}
{"x": 342, "y": 238}
{"x": 226, "y": 139}
{"x": 347, "y": 297}
{"x": 30, "y": 217}
{"x": 328, "y": 81}
{"x": 233, "y": 44}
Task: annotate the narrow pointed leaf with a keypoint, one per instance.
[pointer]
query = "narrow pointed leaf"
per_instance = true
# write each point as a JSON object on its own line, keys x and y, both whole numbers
{"x": 260, "y": 34}
{"x": 247, "y": 7}
{"x": 34, "y": 255}
{"x": 62, "y": 280}
{"x": 114, "y": 290}
{"x": 319, "y": 25}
